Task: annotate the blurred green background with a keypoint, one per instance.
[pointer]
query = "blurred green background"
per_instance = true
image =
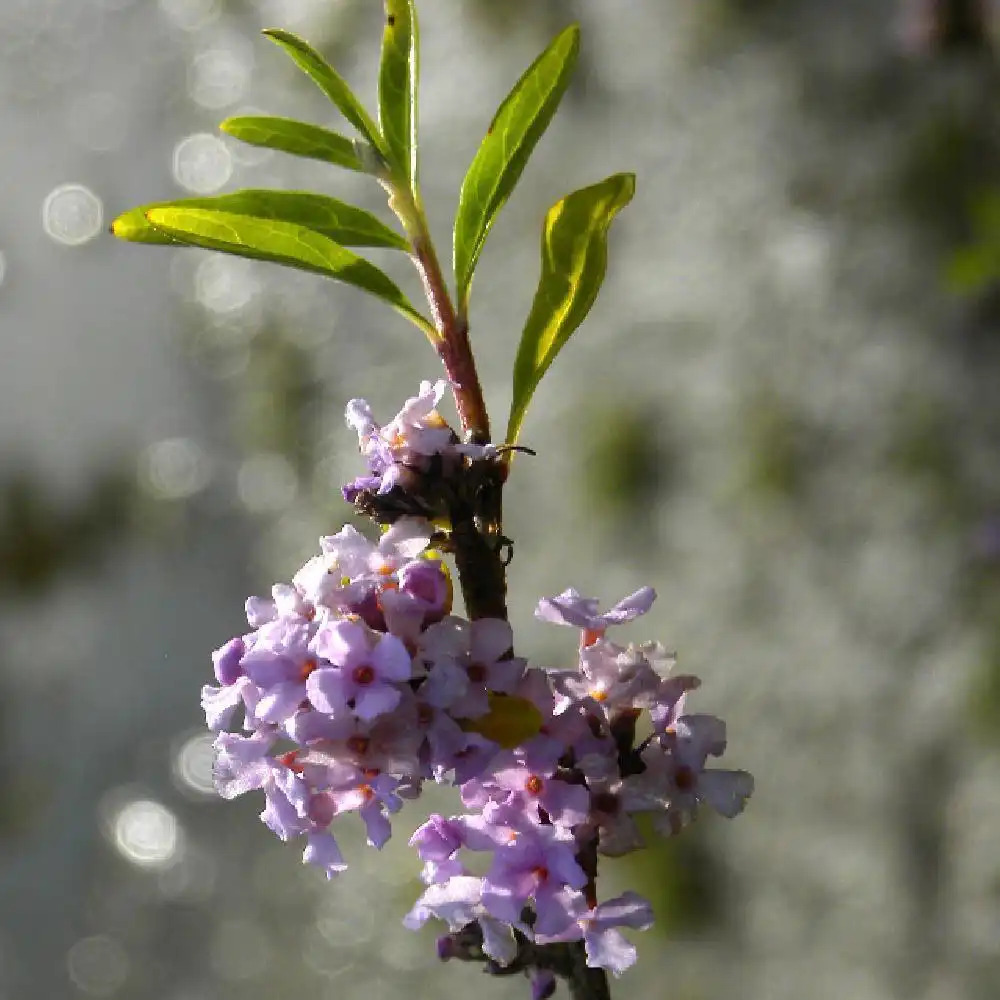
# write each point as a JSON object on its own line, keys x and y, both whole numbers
{"x": 783, "y": 413}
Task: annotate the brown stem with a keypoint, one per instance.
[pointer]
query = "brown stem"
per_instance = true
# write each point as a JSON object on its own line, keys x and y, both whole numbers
{"x": 475, "y": 534}
{"x": 586, "y": 983}
{"x": 477, "y": 554}
{"x": 477, "y": 537}
{"x": 453, "y": 347}
{"x": 567, "y": 960}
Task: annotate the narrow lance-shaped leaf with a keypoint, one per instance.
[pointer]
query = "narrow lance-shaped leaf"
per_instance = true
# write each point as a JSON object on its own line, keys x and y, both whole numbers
{"x": 397, "y": 87}
{"x": 283, "y": 243}
{"x": 574, "y": 260}
{"x": 516, "y": 128}
{"x": 298, "y": 138}
{"x": 335, "y": 219}
{"x": 330, "y": 82}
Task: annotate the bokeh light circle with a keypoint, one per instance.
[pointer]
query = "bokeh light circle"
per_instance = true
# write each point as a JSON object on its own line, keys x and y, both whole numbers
{"x": 219, "y": 77}
{"x": 97, "y": 965}
{"x": 193, "y": 764}
{"x": 202, "y": 163}
{"x": 146, "y": 833}
{"x": 191, "y": 15}
{"x": 175, "y": 469}
{"x": 225, "y": 284}
{"x": 72, "y": 214}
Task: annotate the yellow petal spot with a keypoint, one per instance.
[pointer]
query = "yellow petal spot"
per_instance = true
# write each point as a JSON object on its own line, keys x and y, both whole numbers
{"x": 510, "y": 721}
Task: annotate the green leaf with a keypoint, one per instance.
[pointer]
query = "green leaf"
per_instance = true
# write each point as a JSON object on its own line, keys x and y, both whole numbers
{"x": 134, "y": 227}
{"x": 283, "y": 243}
{"x": 350, "y": 226}
{"x": 516, "y": 128}
{"x": 972, "y": 268}
{"x": 298, "y": 138}
{"x": 330, "y": 82}
{"x": 574, "y": 260}
{"x": 397, "y": 87}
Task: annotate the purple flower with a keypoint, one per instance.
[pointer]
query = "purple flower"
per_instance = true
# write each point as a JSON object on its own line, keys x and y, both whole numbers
{"x": 241, "y": 763}
{"x": 226, "y": 661}
{"x": 458, "y": 902}
{"x": 428, "y": 583}
{"x": 570, "y": 608}
{"x": 405, "y": 444}
{"x": 536, "y": 864}
{"x": 671, "y": 696}
{"x": 422, "y": 596}
{"x": 387, "y": 743}
{"x": 438, "y": 839}
{"x": 366, "y": 668}
{"x": 676, "y": 774}
{"x": 613, "y": 800}
{"x": 476, "y": 756}
{"x": 351, "y": 567}
{"x": 220, "y": 703}
{"x": 322, "y": 851}
{"x": 286, "y": 601}
{"x": 598, "y": 927}
{"x": 438, "y": 842}
{"x": 279, "y": 664}
{"x": 290, "y": 807}
{"x": 466, "y": 660}
{"x": 418, "y": 426}
{"x": 358, "y": 685}
{"x": 614, "y": 677}
{"x": 444, "y": 739}
{"x": 536, "y": 793}
{"x": 374, "y": 800}
{"x": 543, "y": 984}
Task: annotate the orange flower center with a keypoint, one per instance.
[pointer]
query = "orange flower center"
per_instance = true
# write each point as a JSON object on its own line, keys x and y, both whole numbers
{"x": 291, "y": 761}
{"x": 685, "y": 779}
{"x": 363, "y": 675}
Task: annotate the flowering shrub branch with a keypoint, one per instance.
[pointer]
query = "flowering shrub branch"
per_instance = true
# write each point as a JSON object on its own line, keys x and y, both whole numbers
{"x": 357, "y": 682}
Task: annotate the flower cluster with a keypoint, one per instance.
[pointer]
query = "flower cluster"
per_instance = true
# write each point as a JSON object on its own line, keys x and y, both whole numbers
{"x": 356, "y": 684}
{"x": 414, "y": 461}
